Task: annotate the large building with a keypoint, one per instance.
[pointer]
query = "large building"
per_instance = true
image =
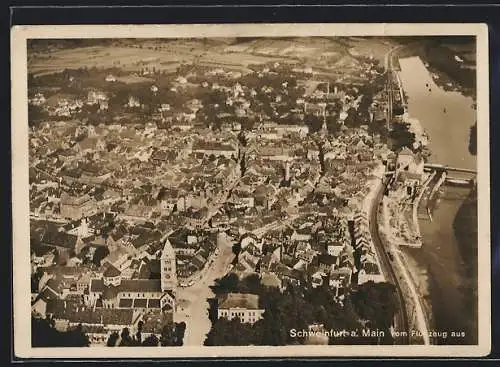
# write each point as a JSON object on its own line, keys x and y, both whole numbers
{"x": 242, "y": 305}
{"x": 113, "y": 291}
{"x": 77, "y": 207}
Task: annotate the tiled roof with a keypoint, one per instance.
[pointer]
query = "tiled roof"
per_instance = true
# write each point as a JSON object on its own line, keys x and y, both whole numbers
{"x": 59, "y": 239}
{"x": 138, "y": 285}
{"x": 125, "y": 303}
{"x": 370, "y": 268}
{"x": 239, "y": 300}
{"x": 103, "y": 316}
{"x": 132, "y": 285}
{"x": 154, "y": 303}
{"x": 327, "y": 259}
{"x": 110, "y": 292}
{"x": 140, "y": 303}
{"x": 111, "y": 271}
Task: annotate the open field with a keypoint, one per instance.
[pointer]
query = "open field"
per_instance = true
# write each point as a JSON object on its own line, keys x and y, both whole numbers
{"x": 168, "y": 55}
{"x": 131, "y": 79}
{"x": 290, "y": 48}
{"x": 128, "y": 59}
{"x": 377, "y": 48}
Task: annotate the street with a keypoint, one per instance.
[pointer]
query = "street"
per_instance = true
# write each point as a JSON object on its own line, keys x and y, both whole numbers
{"x": 193, "y": 301}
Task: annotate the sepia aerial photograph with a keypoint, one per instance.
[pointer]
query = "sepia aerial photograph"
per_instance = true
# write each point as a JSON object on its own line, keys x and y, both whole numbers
{"x": 252, "y": 191}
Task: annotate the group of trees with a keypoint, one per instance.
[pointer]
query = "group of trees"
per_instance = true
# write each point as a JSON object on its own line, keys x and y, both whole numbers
{"x": 370, "y": 305}
{"x": 230, "y": 283}
{"x": 44, "y": 334}
{"x": 442, "y": 58}
{"x": 171, "y": 335}
{"x": 401, "y": 137}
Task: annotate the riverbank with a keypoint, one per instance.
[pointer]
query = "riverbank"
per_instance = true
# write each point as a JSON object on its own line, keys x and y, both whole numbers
{"x": 441, "y": 268}
{"x": 441, "y": 265}
{"x": 465, "y": 228}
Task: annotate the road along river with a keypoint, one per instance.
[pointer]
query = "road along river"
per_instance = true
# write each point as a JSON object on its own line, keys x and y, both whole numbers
{"x": 445, "y": 264}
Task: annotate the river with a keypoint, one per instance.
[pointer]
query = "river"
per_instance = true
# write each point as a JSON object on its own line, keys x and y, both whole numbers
{"x": 450, "y": 288}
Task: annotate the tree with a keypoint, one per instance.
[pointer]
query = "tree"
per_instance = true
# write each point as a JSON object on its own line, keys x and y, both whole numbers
{"x": 44, "y": 334}
{"x": 250, "y": 284}
{"x": 100, "y": 253}
{"x": 313, "y": 122}
{"x": 151, "y": 341}
{"x": 401, "y": 137}
{"x": 126, "y": 339}
{"x": 230, "y": 332}
{"x": 35, "y": 115}
{"x": 352, "y": 119}
{"x": 376, "y": 303}
{"x": 180, "y": 329}
{"x": 473, "y": 139}
{"x": 168, "y": 337}
{"x": 113, "y": 338}
{"x": 227, "y": 284}
{"x": 236, "y": 249}
{"x": 332, "y": 124}
{"x": 138, "y": 335}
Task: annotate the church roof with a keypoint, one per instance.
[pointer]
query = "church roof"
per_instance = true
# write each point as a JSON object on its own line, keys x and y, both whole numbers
{"x": 129, "y": 285}
{"x": 168, "y": 251}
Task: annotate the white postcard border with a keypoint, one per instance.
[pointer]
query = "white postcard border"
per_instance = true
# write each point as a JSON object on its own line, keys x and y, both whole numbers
{"x": 20, "y": 184}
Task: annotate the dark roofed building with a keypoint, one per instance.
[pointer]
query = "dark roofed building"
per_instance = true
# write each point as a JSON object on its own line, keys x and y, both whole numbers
{"x": 111, "y": 272}
{"x": 60, "y": 240}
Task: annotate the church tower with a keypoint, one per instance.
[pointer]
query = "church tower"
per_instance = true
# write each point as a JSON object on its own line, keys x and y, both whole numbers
{"x": 168, "y": 269}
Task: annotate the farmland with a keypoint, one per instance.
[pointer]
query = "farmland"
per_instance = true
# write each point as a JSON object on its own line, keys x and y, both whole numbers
{"x": 167, "y": 55}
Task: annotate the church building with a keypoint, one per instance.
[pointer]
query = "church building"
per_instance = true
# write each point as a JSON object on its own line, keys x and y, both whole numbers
{"x": 113, "y": 291}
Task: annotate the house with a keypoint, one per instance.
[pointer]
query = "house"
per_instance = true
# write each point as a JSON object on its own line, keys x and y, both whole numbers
{"x": 334, "y": 248}
{"x": 241, "y": 305}
{"x": 249, "y": 238}
{"x": 133, "y": 102}
{"x": 301, "y": 235}
{"x": 90, "y": 144}
{"x": 97, "y": 323}
{"x": 247, "y": 263}
{"x": 64, "y": 243}
{"x": 96, "y": 97}
{"x": 339, "y": 280}
{"x": 326, "y": 263}
{"x": 77, "y": 207}
{"x": 39, "y": 308}
{"x": 317, "y": 279}
{"x": 264, "y": 196}
{"x": 370, "y": 271}
{"x": 184, "y": 242}
{"x": 268, "y": 260}
{"x": 216, "y": 149}
{"x": 411, "y": 163}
